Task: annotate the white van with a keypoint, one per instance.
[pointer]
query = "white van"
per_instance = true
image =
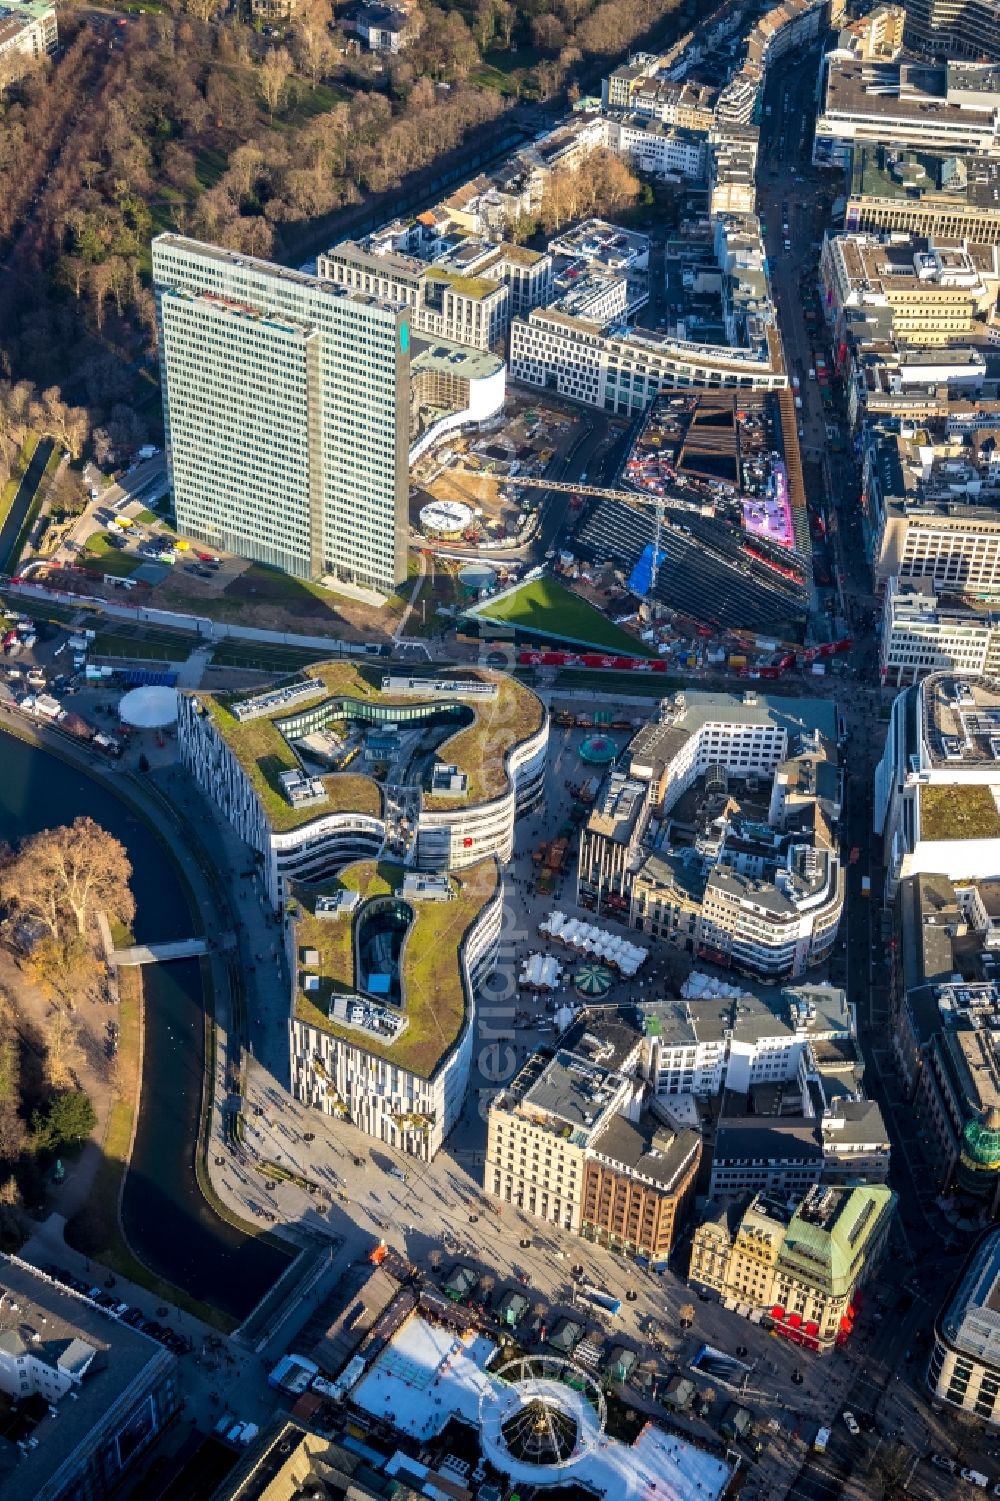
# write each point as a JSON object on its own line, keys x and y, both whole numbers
{"x": 397, "y": 1172}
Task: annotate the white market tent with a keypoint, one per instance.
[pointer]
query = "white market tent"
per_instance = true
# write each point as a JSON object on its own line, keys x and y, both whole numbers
{"x": 149, "y": 708}
{"x": 627, "y": 958}
{"x": 541, "y": 972}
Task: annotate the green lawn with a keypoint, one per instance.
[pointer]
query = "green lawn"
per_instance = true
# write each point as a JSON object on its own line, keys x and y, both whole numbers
{"x": 545, "y": 607}
{"x": 147, "y": 517}
{"x": 309, "y": 102}
{"x": 209, "y": 165}
{"x": 17, "y": 473}
{"x": 139, "y": 649}
{"x": 103, "y": 558}
{"x": 253, "y": 654}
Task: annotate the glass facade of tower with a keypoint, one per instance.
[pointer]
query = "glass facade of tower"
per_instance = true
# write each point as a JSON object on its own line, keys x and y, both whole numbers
{"x": 286, "y": 410}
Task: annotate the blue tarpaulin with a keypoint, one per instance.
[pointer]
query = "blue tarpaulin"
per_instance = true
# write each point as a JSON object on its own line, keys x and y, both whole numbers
{"x": 642, "y": 574}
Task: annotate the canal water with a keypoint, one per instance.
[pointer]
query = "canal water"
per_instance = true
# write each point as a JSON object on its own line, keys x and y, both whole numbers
{"x": 166, "y": 1220}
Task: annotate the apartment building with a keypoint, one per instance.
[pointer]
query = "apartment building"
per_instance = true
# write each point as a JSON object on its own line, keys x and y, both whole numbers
{"x": 733, "y": 170}
{"x": 953, "y": 28}
{"x": 660, "y": 150}
{"x": 622, "y": 370}
{"x": 937, "y": 786}
{"x": 964, "y": 1367}
{"x": 790, "y": 25}
{"x": 28, "y": 29}
{"x": 443, "y": 302}
{"x": 795, "y": 1261}
{"x": 923, "y": 193}
{"x": 934, "y": 294}
{"x": 286, "y": 407}
{"x": 928, "y": 630}
{"x": 90, "y": 1395}
{"x": 876, "y": 37}
{"x": 669, "y": 101}
{"x": 951, "y": 107}
{"x": 385, "y": 979}
{"x": 541, "y": 1127}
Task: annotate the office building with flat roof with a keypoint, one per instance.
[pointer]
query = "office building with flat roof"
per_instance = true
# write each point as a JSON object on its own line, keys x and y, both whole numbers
{"x": 954, "y": 28}
{"x": 923, "y": 193}
{"x": 924, "y": 631}
{"x": 541, "y": 1127}
{"x": 638, "y": 1185}
{"x": 944, "y": 1008}
{"x": 28, "y": 29}
{"x": 286, "y": 406}
{"x": 950, "y": 107}
{"x": 937, "y": 786}
{"x": 84, "y": 1395}
{"x": 964, "y": 1367}
{"x": 287, "y": 1462}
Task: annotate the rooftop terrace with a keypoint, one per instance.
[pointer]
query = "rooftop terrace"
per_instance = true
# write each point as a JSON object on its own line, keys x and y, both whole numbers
{"x": 478, "y": 747}
{"x": 433, "y": 990}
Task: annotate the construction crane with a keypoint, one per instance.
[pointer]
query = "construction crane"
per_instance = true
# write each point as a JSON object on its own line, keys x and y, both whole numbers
{"x": 657, "y": 503}
{"x": 629, "y": 497}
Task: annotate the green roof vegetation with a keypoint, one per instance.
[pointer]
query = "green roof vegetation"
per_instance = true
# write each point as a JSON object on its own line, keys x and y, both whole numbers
{"x": 545, "y": 607}
{"x": 520, "y": 255}
{"x": 968, "y": 811}
{"x": 465, "y": 286}
{"x": 264, "y": 754}
{"x": 479, "y": 749}
{"x": 433, "y": 991}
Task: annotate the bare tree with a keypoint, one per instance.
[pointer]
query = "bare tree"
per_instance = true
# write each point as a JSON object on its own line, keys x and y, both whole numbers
{"x": 63, "y": 1053}
{"x": 273, "y": 75}
{"x": 685, "y": 1315}
{"x": 62, "y": 877}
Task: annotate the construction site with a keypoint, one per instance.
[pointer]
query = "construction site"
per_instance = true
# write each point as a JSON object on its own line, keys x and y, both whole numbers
{"x": 717, "y": 533}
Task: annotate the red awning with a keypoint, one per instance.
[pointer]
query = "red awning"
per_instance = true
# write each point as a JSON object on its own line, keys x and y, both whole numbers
{"x": 777, "y": 1312}
{"x": 812, "y": 1328}
{"x": 795, "y": 1319}
{"x": 846, "y": 1325}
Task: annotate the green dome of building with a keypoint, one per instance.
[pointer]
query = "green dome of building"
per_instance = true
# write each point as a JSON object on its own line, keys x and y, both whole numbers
{"x": 979, "y": 1163}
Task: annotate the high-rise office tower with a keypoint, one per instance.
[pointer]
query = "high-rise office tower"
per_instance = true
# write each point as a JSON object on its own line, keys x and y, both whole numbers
{"x": 286, "y": 404}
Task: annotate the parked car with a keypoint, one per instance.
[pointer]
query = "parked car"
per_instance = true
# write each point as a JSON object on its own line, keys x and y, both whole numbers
{"x": 852, "y": 1425}
{"x": 944, "y": 1463}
